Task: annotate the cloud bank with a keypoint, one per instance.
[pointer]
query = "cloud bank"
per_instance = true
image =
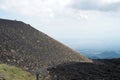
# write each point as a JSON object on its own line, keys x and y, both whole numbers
{"x": 40, "y": 8}
{"x": 45, "y": 9}
{"x": 97, "y": 5}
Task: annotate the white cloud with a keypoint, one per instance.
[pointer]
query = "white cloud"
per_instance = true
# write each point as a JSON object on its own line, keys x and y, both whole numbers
{"x": 45, "y": 9}
{"x": 83, "y": 14}
{"x": 87, "y": 14}
{"x": 38, "y": 8}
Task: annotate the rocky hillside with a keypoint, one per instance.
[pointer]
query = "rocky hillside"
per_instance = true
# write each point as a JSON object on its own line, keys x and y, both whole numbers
{"x": 23, "y": 46}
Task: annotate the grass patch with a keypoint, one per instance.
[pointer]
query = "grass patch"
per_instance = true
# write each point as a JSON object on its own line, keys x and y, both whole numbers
{"x": 14, "y": 73}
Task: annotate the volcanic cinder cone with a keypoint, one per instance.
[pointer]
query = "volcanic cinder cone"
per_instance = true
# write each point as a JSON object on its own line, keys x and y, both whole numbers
{"x": 22, "y": 45}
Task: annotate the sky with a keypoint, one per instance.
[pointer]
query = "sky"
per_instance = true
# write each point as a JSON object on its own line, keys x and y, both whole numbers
{"x": 84, "y": 24}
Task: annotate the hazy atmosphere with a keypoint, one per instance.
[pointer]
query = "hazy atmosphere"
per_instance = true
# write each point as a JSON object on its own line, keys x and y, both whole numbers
{"x": 59, "y": 39}
{"x": 84, "y": 24}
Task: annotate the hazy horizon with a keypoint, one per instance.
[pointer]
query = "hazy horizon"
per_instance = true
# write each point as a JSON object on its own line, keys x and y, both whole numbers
{"x": 84, "y": 24}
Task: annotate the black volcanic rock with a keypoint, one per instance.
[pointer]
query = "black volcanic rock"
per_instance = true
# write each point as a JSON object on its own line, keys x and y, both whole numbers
{"x": 108, "y": 69}
{"x": 22, "y": 45}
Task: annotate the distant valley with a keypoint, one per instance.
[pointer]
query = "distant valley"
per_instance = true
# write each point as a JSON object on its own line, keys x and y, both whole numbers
{"x": 100, "y": 54}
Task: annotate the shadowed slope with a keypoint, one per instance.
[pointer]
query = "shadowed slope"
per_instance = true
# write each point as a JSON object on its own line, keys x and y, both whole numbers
{"x": 26, "y": 47}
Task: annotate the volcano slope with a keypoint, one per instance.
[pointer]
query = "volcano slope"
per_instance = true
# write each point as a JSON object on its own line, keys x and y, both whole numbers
{"x": 23, "y": 46}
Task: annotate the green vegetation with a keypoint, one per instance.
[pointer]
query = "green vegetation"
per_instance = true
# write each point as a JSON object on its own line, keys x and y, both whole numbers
{"x": 14, "y": 73}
